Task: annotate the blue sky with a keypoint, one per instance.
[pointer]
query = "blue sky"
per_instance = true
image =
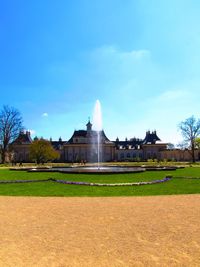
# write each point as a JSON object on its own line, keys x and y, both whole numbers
{"x": 141, "y": 59}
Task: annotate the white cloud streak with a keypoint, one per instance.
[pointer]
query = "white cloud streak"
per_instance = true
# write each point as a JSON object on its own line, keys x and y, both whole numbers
{"x": 33, "y": 132}
{"x": 45, "y": 114}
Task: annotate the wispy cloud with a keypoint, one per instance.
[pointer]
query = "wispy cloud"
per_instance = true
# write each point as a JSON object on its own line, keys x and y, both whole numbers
{"x": 174, "y": 97}
{"x": 45, "y": 114}
{"x": 166, "y": 110}
{"x": 120, "y": 70}
{"x": 112, "y": 51}
{"x": 33, "y": 132}
{"x": 111, "y": 56}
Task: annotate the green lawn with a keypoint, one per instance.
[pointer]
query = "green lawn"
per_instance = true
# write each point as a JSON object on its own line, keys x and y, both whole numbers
{"x": 174, "y": 186}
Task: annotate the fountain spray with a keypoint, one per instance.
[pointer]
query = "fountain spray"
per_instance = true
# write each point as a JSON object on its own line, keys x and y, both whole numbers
{"x": 97, "y": 122}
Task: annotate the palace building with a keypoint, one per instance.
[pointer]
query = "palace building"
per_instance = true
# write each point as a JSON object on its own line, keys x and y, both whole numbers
{"x": 82, "y": 146}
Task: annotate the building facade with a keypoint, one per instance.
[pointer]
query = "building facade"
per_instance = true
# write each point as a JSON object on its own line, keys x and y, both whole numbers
{"x": 82, "y": 147}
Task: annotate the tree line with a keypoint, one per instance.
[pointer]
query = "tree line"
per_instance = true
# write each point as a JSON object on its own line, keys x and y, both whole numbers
{"x": 11, "y": 123}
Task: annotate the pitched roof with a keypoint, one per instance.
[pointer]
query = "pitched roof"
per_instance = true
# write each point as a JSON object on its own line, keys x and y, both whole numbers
{"x": 76, "y": 134}
{"x": 151, "y": 138}
{"x": 88, "y": 134}
{"x": 135, "y": 143}
{"x": 127, "y": 144}
{"x": 57, "y": 144}
{"x": 23, "y": 139}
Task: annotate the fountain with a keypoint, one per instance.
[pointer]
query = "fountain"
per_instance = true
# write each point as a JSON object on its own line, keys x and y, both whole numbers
{"x": 96, "y": 140}
{"x": 96, "y": 149}
{"x": 96, "y": 152}
{"x": 97, "y": 123}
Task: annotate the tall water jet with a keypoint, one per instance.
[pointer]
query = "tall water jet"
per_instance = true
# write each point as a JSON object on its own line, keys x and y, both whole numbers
{"x": 97, "y": 123}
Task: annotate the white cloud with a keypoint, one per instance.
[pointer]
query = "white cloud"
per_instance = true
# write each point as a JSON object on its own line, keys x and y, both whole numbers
{"x": 174, "y": 95}
{"x": 33, "y": 132}
{"x": 182, "y": 100}
{"x": 136, "y": 54}
{"x": 166, "y": 110}
{"x": 45, "y": 114}
{"x": 121, "y": 73}
{"x": 112, "y": 53}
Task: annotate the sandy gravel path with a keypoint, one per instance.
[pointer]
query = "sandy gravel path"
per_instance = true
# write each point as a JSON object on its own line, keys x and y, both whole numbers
{"x": 121, "y": 231}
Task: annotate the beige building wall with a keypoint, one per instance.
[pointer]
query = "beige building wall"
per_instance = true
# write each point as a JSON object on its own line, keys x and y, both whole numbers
{"x": 88, "y": 152}
{"x": 21, "y": 153}
{"x": 179, "y": 155}
{"x": 128, "y": 154}
{"x": 153, "y": 151}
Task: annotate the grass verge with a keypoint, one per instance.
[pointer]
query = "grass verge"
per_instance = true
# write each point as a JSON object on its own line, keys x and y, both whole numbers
{"x": 174, "y": 186}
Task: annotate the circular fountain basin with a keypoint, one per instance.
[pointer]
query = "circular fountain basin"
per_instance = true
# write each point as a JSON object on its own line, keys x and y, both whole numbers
{"x": 92, "y": 170}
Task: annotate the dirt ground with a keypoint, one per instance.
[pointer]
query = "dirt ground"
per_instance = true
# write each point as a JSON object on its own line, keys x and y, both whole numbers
{"x": 120, "y": 231}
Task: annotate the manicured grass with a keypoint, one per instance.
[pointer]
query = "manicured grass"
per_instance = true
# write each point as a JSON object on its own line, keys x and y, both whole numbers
{"x": 174, "y": 186}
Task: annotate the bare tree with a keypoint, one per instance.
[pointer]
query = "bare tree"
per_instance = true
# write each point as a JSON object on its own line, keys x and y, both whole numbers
{"x": 190, "y": 129}
{"x": 183, "y": 146}
{"x": 10, "y": 126}
{"x": 170, "y": 146}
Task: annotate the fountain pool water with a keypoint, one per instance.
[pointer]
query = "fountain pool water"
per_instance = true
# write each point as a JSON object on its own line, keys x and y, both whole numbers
{"x": 91, "y": 169}
{"x": 101, "y": 170}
